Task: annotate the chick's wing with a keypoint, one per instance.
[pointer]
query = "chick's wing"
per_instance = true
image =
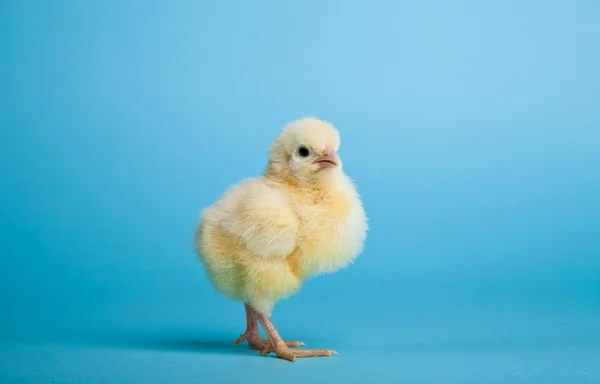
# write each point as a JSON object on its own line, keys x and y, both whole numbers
{"x": 259, "y": 216}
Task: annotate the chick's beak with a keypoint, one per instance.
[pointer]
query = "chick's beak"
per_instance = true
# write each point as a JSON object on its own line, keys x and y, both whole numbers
{"x": 329, "y": 160}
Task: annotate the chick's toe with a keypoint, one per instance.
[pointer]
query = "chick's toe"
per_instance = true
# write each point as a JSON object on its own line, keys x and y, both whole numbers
{"x": 284, "y": 352}
{"x": 256, "y": 342}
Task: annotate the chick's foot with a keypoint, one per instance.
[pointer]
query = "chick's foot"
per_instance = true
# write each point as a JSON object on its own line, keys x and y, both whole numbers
{"x": 253, "y": 339}
{"x": 284, "y": 352}
{"x": 252, "y": 335}
{"x": 281, "y": 348}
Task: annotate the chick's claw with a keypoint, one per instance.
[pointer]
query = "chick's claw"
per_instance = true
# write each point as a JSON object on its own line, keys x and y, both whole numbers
{"x": 291, "y": 344}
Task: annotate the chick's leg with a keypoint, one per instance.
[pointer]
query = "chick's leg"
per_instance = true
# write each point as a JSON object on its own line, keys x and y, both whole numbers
{"x": 281, "y": 348}
{"x": 252, "y": 335}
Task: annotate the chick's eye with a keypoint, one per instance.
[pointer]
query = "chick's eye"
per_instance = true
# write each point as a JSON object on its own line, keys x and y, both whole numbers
{"x": 303, "y": 151}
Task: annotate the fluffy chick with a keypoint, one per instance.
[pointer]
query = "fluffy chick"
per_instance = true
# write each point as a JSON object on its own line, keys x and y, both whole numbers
{"x": 265, "y": 236}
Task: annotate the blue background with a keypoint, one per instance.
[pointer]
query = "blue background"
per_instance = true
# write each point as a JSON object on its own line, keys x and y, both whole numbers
{"x": 471, "y": 128}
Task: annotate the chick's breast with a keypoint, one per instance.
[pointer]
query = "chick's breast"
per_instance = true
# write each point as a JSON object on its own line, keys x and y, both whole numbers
{"x": 332, "y": 232}
{"x": 244, "y": 240}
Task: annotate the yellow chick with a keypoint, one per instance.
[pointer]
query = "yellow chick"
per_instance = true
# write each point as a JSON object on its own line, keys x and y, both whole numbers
{"x": 265, "y": 236}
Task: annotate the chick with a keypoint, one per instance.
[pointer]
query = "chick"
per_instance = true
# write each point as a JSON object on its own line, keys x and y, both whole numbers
{"x": 266, "y": 235}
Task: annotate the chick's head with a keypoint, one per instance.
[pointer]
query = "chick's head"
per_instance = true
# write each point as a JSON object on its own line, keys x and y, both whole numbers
{"x": 306, "y": 151}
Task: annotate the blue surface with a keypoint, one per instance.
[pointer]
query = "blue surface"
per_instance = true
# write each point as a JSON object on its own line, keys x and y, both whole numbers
{"x": 471, "y": 128}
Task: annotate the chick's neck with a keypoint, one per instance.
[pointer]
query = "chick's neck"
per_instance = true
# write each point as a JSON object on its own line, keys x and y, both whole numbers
{"x": 318, "y": 188}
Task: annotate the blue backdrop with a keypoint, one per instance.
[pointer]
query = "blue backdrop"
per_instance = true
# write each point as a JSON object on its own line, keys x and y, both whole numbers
{"x": 472, "y": 130}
